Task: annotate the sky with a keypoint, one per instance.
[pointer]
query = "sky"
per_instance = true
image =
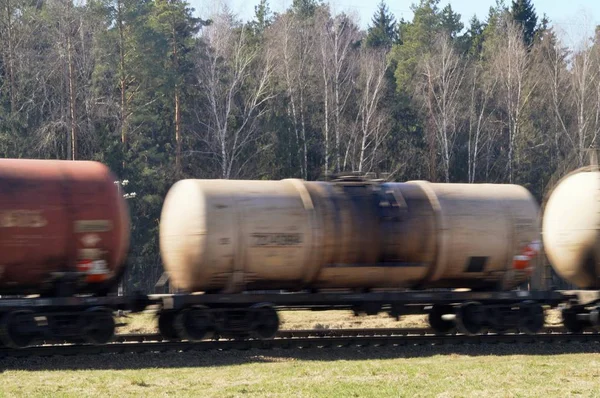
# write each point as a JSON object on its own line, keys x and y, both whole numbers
{"x": 573, "y": 19}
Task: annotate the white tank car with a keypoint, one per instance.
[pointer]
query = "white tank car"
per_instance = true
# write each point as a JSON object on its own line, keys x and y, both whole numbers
{"x": 571, "y": 228}
{"x": 232, "y": 236}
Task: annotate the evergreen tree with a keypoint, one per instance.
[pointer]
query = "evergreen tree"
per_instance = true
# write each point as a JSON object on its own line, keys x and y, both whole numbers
{"x": 524, "y": 14}
{"x": 450, "y": 22}
{"x": 305, "y": 8}
{"x": 473, "y": 39}
{"x": 382, "y": 32}
{"x": 262, "y": 17}
{"x": 174, "y": 21}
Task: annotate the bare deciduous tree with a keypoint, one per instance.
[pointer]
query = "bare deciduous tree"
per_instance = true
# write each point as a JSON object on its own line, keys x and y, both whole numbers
{"x": 482, "y": 87}
{"x": 442, "y": 73}
{"x": 293, "y": 39}
{"x": 556, "y": 82}
{"x": 510, "y": 61}
{"x": 585, "y": 82}
{"x": 235, "y": 79}
{"x": 338, "y": 68}
{"x": 370, "y": 120}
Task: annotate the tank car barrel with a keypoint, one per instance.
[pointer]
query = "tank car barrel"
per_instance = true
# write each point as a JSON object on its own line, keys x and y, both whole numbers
{"x": 571, "y": 229}
{"x": 64, "y": 227}
{"x": 232, "y": 236}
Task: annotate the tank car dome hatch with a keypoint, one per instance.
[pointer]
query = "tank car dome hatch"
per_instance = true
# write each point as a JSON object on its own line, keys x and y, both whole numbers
{"x": 571, "y": 228}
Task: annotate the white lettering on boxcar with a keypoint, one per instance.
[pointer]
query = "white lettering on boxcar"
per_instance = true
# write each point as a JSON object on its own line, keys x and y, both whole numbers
{"x": 22, "y": 219}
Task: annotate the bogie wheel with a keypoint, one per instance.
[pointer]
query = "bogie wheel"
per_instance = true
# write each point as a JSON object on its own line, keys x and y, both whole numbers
{"x": 166, "y": 325}
{"x": 470, "y": 318}
{"x": 18, "y": 328}
{"x": 99, "y": 325}
{"x": 266, "y": 322}
{"x": 436, "y": 321}
{"x": 573, "y": 325}
{"x": 531, "y": 317}
{"x": 194, "y": 323}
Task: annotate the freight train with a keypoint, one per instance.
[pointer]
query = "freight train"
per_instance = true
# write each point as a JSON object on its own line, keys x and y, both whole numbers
{"x": 240, "y": 251}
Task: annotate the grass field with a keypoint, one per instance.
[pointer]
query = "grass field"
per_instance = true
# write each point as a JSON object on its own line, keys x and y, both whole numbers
{"x": 533, "y": 370}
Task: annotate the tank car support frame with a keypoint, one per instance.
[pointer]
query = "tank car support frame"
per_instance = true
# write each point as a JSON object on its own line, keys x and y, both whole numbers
{"x": 26, "y": 320}
{"x": 471, "y": 312}
{"x": 198, "y": 322}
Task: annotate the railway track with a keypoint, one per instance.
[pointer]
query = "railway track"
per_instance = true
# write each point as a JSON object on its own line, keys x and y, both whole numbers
{"x": 296, "y": 333}
{"x": 303, "y": 339}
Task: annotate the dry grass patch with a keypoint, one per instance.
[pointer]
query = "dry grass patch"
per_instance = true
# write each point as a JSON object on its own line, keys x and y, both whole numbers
{"x": 294, "y": 320}
{"x": 138, "y": 323}
{"x": 346, "y": 320}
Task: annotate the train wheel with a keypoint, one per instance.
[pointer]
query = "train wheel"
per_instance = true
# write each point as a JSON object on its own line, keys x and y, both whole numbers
{"x": 18, "y": 328}
{"x": 166, "y": 327}
{"x": 437, "y": 321}
{"x": 266, "y": 321}
{"x": 99, "y": 325}
{"x": 531, "y": 317}
{"x": 470, "y": 318}
{"x": 194, "y": 323}
{"x": 571, "y": 322}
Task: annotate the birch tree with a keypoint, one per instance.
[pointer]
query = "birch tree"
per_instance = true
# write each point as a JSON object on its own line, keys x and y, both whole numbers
{"x": 371, "y": 121}
{"x": 556, "y": 82}
{"x": 509, "y": 60}
{"x": 338, "y": 34}
{"x": 235, "y": 78}
{"x": 441, "y": 76}
{"x": 585, "y": 85}
{"x": 293, "y": 38}
{"x": 481, "y": 86}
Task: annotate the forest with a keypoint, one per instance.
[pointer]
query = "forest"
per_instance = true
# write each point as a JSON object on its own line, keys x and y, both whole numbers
{"x": 159, "y": 95}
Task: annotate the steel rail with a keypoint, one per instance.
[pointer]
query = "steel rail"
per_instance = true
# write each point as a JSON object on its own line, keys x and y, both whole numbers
{"x": 298, "y": 343}
{"x": 354, "y": 332}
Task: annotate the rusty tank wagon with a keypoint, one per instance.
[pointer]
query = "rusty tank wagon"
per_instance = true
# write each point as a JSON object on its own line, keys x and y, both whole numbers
{"x": 224, "y": 237}
{"x": 64, "y": 232}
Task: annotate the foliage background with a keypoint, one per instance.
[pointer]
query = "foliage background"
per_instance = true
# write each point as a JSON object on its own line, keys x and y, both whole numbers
{"x": 159, "y": 95}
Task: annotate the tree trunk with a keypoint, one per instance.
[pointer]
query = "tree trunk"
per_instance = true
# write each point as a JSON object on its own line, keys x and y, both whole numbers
{"x": 122, "y": 80}
{"x": 326, "y": 108}
{"x": 177, "y": 107}
{"x": 72, "y": 93}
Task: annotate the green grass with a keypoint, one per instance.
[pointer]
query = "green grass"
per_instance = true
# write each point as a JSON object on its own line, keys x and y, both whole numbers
{"x": 462, "y": 371}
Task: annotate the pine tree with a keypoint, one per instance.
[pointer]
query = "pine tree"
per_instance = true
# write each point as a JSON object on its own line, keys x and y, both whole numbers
{"x": 305, "y": 8}
{"x": 450, "y": 22}
{"x": 524, "y": 14}
{"x": 173, "y": 19}
{"x": 383, "y": 32}
{"x": 262, "y": 17}
{"x": 473, "y": 39}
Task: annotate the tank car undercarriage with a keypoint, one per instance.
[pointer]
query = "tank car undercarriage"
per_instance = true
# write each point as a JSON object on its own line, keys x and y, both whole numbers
{"x": 88, "y": 319}
{"x": 198, "y": 317}
{"x": 195, "y": 317}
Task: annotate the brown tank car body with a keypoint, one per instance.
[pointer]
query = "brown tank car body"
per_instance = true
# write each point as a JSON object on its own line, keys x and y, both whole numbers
{"x": 571, "y": 228}
{"x": 58, "y": 219}
{"x": 231, "y": 236}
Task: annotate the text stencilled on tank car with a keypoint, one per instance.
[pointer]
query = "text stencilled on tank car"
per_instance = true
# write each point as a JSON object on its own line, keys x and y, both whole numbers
{"x": 89, "y": 226}
{"x": 22, "y": 219}
{"x": 276, "y": 239}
